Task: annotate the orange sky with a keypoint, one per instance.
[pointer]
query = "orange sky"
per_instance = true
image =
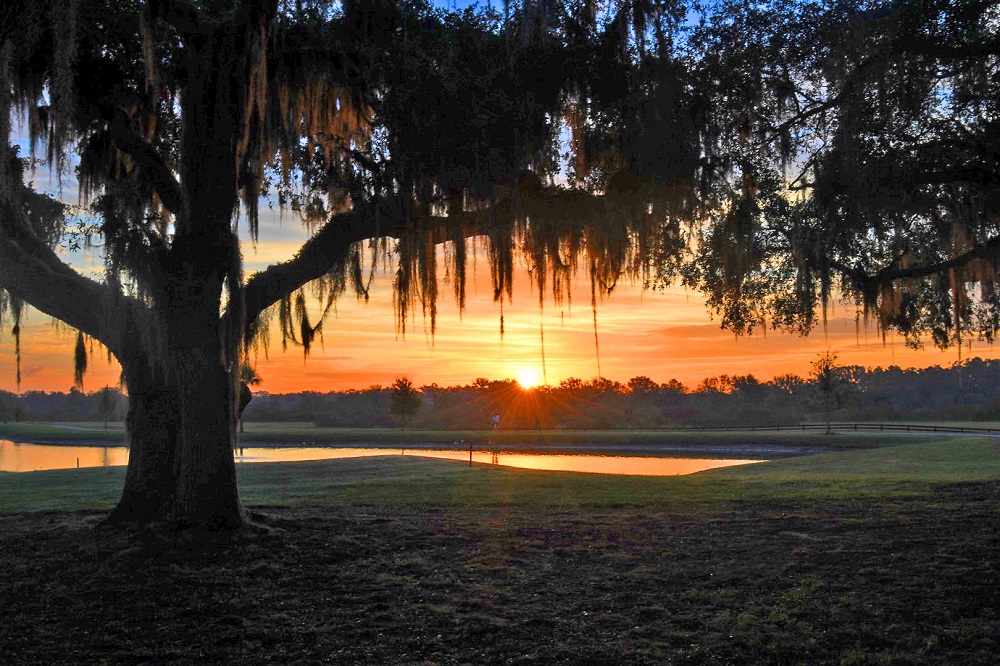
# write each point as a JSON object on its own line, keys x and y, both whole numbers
{"x": 663, "y": 335}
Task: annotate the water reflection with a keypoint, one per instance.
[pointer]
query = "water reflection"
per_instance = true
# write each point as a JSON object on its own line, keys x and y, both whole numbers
{"x": 33, "y": 457}
{"x": 16, "y": 457}
{"x": 634, "y": 465}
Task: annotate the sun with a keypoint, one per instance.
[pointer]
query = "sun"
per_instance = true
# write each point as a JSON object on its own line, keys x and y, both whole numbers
{"x": 527, "y": 377}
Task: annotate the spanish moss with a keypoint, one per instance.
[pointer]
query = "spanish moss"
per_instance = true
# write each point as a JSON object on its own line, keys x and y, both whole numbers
{"x": 79, "y": 361}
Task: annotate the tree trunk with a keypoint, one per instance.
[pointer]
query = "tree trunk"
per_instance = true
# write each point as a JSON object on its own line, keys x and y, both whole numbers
{"x": 181, "y": 430}
{"x": 182, "y": 397}
{"x": 207, "y": 492}
{"x": 151, "y": 429}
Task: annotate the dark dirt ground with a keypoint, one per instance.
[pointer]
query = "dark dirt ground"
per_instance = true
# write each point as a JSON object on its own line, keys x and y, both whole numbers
{"x": 906, "y": 581}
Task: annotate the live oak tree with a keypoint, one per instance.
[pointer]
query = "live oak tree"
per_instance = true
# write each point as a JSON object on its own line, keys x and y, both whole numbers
{"x": 390, "y": 129}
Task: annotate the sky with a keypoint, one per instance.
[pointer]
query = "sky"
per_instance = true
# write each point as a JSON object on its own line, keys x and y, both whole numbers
{"x": 659, "y": 334}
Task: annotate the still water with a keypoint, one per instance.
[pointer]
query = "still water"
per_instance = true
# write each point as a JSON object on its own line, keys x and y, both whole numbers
{"x": 33, "y": 457}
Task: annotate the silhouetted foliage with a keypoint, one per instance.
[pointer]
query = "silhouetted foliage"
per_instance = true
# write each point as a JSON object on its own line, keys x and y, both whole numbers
{"x": 969, "y": 390}
{"x": 865, "y": 164}
{"x": 109, "y": 404}
{"x": 404, "y": 400}
{"x": 829, "y": 380}
{"x": 10, "y": 409}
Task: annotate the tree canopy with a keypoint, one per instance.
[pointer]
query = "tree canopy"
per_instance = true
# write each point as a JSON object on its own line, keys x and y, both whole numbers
{"x": 866, "y": 163}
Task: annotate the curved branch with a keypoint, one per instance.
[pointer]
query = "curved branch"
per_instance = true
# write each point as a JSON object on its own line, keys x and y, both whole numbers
{"x": 316, "y": 257}
{"x": 805, "y": 114}
{"x": 33, "y": 272}
{"x": 328, "y": 247}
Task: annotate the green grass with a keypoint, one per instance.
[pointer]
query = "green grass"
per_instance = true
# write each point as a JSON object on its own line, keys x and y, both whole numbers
{"x": 900, "y": 469}
{"x": 64, "y": 489}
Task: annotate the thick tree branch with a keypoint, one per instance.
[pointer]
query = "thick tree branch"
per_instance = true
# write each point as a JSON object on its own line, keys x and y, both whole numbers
{"x": 33, "y": 272}
{"x": 868, "y": 281}
{"x": 300, "y": 49}
{"x": 968, "y": 173}
{"x": 316, "y": 257}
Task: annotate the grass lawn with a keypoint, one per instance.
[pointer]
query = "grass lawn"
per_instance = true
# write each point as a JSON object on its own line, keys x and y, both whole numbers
{"x": 861, "y": 556}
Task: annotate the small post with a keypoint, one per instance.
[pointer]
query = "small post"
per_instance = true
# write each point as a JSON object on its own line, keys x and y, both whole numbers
{"x": 78, "y": 463}
{"x": 470, "y": 453}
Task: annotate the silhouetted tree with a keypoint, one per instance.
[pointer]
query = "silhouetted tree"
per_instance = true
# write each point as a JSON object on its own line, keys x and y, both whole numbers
{"x": 829, "y": 382}
{"x": 405, "y": 400}
{"x": 9, "y": 408}
{"x": 391, "y": 122}
{"x": 643, "y": 387}
{"x": 788, "y": 384}
{"x": 107, "y": 405}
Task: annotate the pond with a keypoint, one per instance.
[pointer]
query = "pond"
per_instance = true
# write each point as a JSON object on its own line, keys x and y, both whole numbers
{"x": 16, "y": 457}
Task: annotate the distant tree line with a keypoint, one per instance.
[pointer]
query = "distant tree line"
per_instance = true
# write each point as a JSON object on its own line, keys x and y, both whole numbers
{"x": 969, "y": 390}
{"x": 106, "y": 404}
